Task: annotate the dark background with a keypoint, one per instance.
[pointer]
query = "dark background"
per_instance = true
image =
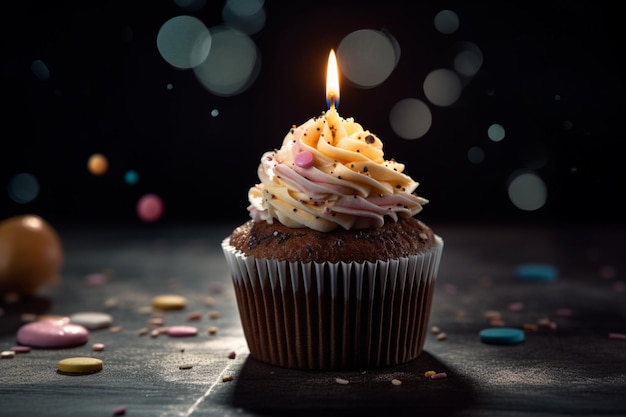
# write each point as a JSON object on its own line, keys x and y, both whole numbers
{"x": 107, "y": 93}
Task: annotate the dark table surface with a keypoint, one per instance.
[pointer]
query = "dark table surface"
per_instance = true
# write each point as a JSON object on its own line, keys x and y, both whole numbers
{"x": 571, "y": 368}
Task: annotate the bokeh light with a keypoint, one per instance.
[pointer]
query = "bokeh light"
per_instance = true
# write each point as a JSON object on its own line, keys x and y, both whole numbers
{"x": 410, "y": 118}
{"x": 446, "y": 22}
{"x": 40, "y": 70}
{"x": 442, "y": 87}
{"x": 495, "y": 132}
{"x": 232, "y": 65}
{"x": 150, "y": 208}
{"x": 527, "y": 191}
{"x": 184, "y": 41}
{"x": 215, "y": 112}
{"x": 247, "y": 16}
{"x": 367, "y": 57}
{"x": 97, "y": 164}
{"x": 475, "y": 155}
{"x": 131, "y": 177}
{"x": 468, "y": 60}
{"x": 23, "y": 188}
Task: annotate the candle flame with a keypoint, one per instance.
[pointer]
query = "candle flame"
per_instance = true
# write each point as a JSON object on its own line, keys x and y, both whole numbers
{"x": 332, "y": 81}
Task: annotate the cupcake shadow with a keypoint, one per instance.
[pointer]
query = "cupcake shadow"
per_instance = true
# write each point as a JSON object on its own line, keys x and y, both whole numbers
{"x": 269, "y": 390}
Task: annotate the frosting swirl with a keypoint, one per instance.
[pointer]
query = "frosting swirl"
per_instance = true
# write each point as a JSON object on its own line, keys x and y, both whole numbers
{"x": 330, "y": 172}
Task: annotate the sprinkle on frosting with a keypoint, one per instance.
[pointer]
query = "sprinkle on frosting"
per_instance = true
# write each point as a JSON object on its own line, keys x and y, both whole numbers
{"x": 328, "y": 173}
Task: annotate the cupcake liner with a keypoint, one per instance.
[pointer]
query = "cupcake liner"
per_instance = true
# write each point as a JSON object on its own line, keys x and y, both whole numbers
{"x": 323, "y": 316}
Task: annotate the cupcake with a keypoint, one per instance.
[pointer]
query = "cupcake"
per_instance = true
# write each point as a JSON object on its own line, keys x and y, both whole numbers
{"x": 333, "y": 271}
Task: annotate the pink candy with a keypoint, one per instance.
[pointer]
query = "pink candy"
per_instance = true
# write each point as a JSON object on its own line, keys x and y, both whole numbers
{"x": 182, "y": 331}
{"x": 305, "y": 159}
{"x": 52, "y": 334}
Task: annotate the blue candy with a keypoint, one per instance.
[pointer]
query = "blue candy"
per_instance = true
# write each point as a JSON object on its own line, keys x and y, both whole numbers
{"x": 537, "y": 272}
{"x": 502, "y": 336}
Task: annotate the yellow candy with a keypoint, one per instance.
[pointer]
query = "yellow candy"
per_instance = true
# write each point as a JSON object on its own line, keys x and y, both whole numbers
{"x": 428, "y": 374}
{"x": 169, "y": 302}
{"x": 79, "y": 365}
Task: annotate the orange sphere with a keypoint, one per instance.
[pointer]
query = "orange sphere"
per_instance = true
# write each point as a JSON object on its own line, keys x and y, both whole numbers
{"x": 31, "y": 254}
{"x": 98, "y": 164}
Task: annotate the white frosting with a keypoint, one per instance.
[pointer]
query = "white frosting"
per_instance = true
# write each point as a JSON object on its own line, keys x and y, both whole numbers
{"x": 330, "y": 172}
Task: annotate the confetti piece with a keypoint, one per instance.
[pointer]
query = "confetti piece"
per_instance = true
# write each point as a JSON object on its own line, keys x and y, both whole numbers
{"x": 396, "y": 382}
{"x": 342, "y": 381}
{"x": 227, "y": 378}
{"x": 439, "y": 375}
{"x": 7, "y": 354}
{"x": 186, "y": 366}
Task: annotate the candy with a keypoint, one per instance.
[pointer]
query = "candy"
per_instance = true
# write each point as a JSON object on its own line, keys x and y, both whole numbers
{"x": 52, "y": 334}
{"x": 169, "y": 302}
{"x": 439, "y": 375}
{"x": 501, "y": 336}
{"x": 182, "y": 331}
{"x": 305, "y": 159}
{"x": 30, "y": 254}
{"x": 79, "y": 365}
{"x": 92, "y": 320}
{"x": 537, "y": 272}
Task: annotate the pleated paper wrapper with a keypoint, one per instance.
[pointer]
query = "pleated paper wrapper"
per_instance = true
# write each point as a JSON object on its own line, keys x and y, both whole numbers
{"x": 333, "y": 316}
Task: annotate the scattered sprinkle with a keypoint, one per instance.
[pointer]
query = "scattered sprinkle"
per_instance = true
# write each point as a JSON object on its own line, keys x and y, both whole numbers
{"x": 7, "y": 354}
{"x": 142, "y": 331}
{"x": 214, "y": 314}
{"x": 428, "y": 374}
{"x": 119, "y": 411}
{"x": 97, "y": 347}
{"x": 529, "y": 327}
{"x": 115, "y": 329}
{"x": 21, "y": 349}
{"x": 212, "y": 330}
{"x": 619, "y": 336}
{"x": 442, "y": 336}
{"x": 232, "y": 355}
{"x": 227, "y": 378}
{"x": 185, "y": 366}
{"x": 435, "y": 330}
{"x": 396, "y": 382}
{"x": 196, "y": 315}
{"x": 439, "y": 375}
{"x": 342, "y": 381}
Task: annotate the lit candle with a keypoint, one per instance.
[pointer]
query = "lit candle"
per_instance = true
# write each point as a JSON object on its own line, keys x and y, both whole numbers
{"x": 332, "y": 81}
